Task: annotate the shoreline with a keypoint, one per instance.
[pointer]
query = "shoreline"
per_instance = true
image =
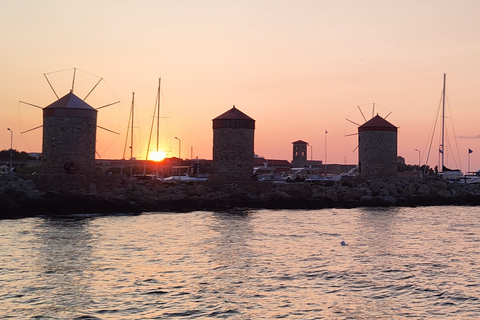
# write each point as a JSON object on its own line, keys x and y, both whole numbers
{"x": 20, "y": 197}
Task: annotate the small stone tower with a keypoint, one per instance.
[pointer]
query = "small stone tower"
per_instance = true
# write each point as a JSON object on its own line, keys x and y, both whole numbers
{"x": 233, "y": 142}
{"x": 377, "y": 148}
{"x": 69, "y": 136}
{"x": 299, "y": 154}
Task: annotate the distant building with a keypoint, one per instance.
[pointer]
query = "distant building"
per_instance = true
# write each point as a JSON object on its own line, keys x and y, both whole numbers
{"x": 377, "y": 148}
{"x": 233, "y": 146}
{"x": 69, "y": 136}
{"x": 299, "y": 157}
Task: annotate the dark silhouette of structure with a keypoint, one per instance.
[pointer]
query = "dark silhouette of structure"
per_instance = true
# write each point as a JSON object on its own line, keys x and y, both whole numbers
{"x": 69, "y": 136}
{"x": 377, "y": 148}
{"x": 233, "y": 146}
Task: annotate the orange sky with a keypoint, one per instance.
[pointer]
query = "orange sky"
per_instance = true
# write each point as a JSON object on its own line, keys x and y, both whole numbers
{"x": 298, "y": 68}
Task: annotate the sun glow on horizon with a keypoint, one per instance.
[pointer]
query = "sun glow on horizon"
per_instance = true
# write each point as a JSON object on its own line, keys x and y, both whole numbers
{"x": 157, "y": 155}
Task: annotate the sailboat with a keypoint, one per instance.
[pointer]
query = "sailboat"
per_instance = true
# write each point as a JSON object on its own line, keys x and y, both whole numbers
{"x": 192, "y": 173}
{"x": 130, "y": 123}
{"x": 446, "y": 173}
{"x": 156, "y": 116}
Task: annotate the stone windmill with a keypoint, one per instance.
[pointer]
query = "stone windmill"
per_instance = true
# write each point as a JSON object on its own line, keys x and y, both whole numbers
{"x": 233, "y": 146}
{"x": 69, "y": 133}
{"x": 377, "y": 145}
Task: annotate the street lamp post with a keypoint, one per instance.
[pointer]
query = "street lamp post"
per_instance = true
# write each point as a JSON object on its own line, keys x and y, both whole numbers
{"x": 179, "y": 155}
{"x": 311, "y": 155}
{"x": 418, "y": 157}
{"x": 11, "y": 149}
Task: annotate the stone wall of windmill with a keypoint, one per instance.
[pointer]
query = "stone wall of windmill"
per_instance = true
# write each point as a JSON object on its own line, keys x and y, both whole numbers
{"x": 233, "y": 146}
{"x": 69, "y": 136}
{"x": 377, "y": 149}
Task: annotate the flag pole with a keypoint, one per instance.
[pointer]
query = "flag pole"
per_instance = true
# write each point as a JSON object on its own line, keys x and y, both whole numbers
{"x": 326, "y": 152}
{"x": 469, "y": 151}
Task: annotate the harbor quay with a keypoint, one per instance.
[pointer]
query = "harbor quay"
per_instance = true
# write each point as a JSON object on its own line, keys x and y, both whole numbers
{"x": 30, "y": 195}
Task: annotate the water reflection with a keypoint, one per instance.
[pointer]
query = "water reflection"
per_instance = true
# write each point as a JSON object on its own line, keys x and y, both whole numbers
{"x": 262, "y": 264}
{"x": 232, "y": 260}
{"x": 377, "y": 228}
{"x": 64, "y": 249}
{"x": 230, "y": 239}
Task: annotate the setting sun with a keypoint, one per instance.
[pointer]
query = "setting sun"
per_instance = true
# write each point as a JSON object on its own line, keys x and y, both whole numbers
{"x": 157, "y": 155}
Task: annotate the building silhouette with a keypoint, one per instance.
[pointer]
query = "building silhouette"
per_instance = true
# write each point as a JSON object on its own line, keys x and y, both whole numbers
{"x": 69, "y": 136}
{"x": 299, "y": 157}
{"x": 377, "y": 148}
{"x": 233, "y": 146}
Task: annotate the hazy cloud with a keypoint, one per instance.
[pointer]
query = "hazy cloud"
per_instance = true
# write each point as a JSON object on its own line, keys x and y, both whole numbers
{"x": 470, "y": 137}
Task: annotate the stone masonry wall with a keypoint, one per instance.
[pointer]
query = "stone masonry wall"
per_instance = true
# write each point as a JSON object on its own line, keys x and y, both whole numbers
{"x": 69, "y": 139}
{"x": 233, "y": 154}
{"x": 377, "y": 154}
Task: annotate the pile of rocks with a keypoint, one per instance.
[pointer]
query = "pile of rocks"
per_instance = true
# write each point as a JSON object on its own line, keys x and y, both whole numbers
{"x": 20, "y": 198}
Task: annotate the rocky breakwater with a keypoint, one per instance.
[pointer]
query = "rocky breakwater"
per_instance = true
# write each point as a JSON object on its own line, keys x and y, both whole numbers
{"x": 345, "y": 194}
{"x": 19, "y": 197}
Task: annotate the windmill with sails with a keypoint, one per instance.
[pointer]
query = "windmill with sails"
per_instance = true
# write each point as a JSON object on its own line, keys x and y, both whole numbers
{"x": 69, "y": 130}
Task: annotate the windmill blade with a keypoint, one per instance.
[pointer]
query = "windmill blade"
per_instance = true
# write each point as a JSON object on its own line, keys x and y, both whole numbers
{"x": 353, "y": 122}
{"x": 31, "y": 129}
{"x": 51, "y": 87}
{"x": 361, "y": 112}
{"x": 73, "y": 80}
{"x": 93, "y": 89}
{"x": 31, "y": 104}
{"x": 108, "y": 105}
{"x": 108, "y": 130}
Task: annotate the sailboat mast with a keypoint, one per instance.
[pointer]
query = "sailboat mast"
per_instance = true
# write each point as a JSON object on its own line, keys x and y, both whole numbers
{"x": 158, "y": 112}
{"x": 156, "y": 115}
{"x": 131, "y": 135}
{"x": 443, "y": 121}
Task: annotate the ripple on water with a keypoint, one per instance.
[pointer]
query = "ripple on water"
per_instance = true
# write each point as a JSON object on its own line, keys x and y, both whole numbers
{"x": 402, "y": 263}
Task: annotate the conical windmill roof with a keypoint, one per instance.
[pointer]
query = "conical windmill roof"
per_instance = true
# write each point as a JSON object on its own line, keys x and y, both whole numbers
{"x": 69, "y": 106}
{"x": 377, "y": 123}
{"x": 70, "y": 100}
{"x": 233, "y": 113}
{"x": 233, "y": 118}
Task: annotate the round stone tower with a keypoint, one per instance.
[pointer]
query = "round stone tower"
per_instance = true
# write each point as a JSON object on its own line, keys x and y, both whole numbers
{"x": 233, "y": 142}
{"x": 377, "y": 148}
{"x": 69, "y": 136}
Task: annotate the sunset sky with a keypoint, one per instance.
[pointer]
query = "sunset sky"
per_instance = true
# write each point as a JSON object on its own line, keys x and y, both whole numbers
{"x": 299, "y": 68}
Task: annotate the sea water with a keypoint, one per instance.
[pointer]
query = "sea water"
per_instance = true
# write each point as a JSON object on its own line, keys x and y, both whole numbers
{"x": 367, "y": 263}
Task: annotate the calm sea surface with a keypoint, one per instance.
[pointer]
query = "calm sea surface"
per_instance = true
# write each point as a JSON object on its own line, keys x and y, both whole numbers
{"x": 418, "y": 263}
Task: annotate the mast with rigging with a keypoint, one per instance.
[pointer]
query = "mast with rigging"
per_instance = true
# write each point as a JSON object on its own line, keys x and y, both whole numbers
{"x": 156, "y": 115}
{"x": 130, "y": 124}
{"x": 443, "y": 123}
